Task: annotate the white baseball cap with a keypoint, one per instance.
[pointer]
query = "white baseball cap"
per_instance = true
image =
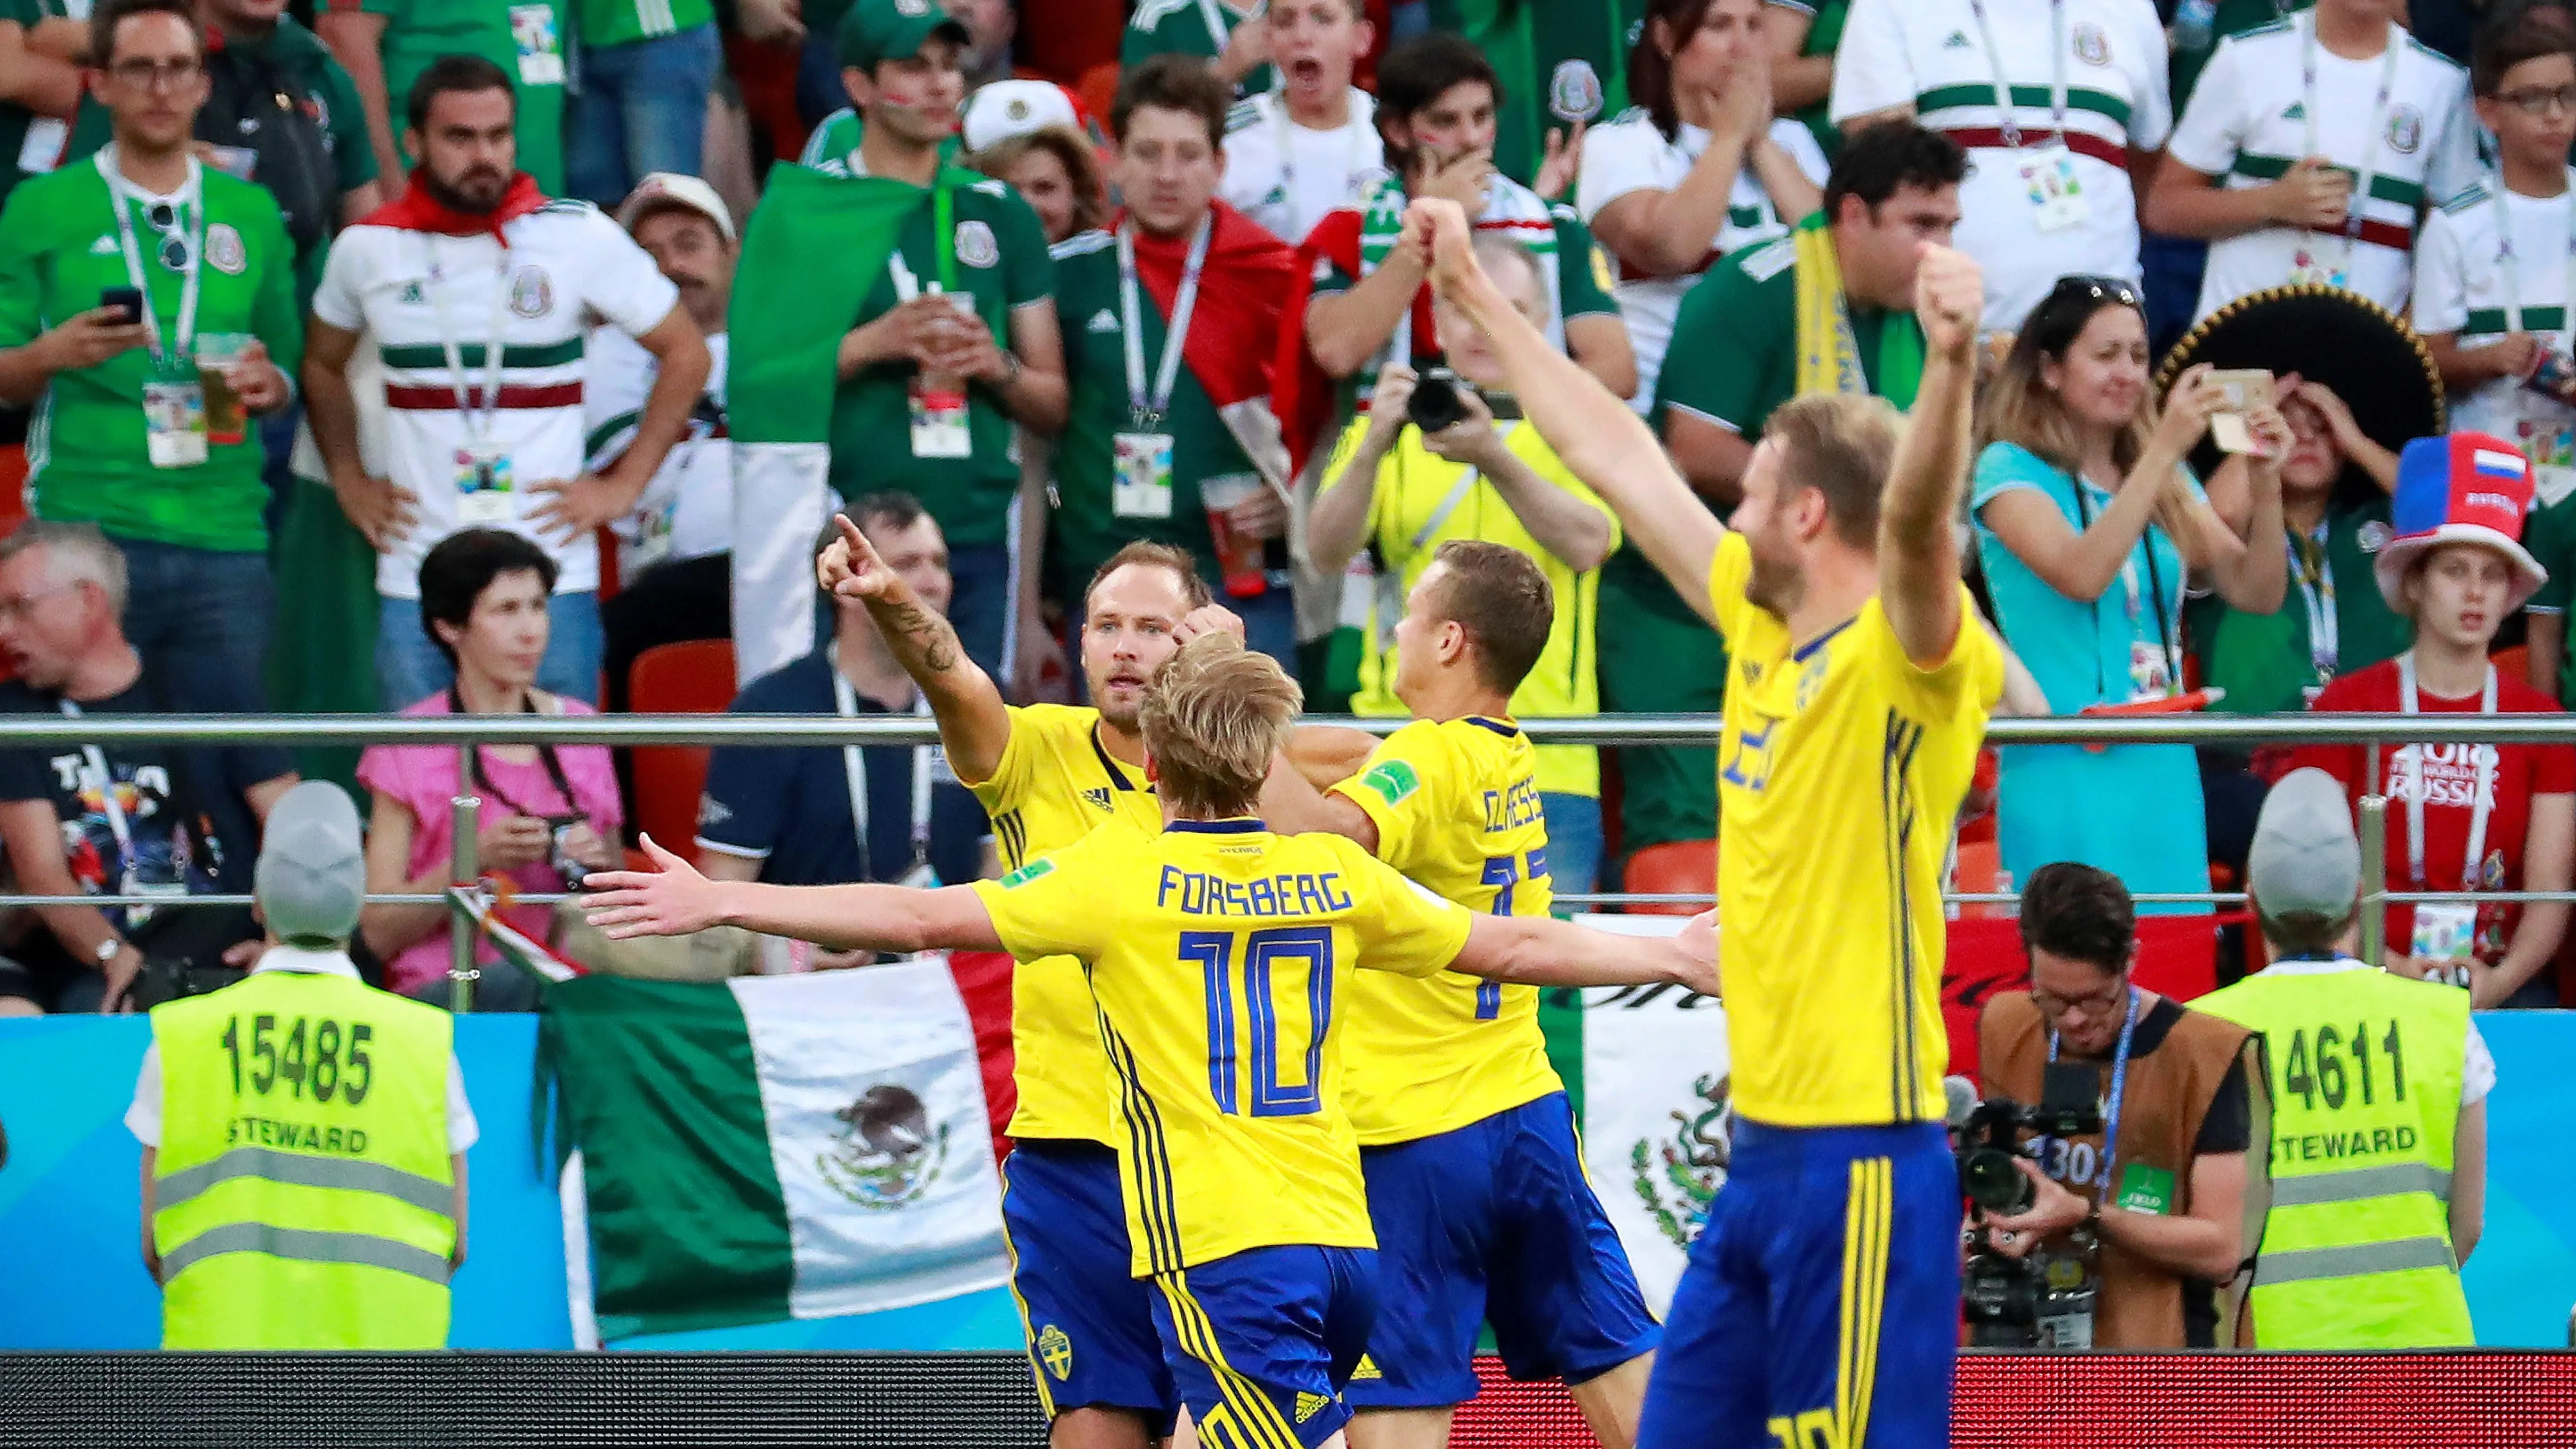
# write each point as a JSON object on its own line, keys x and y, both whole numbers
{"x": 669, "y": 188}
{"x": 1008, "y": 108}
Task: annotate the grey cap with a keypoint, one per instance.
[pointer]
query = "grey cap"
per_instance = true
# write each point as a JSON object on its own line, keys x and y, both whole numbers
{"x": 312, "y": 871}
{"x": 2306, "y": 859}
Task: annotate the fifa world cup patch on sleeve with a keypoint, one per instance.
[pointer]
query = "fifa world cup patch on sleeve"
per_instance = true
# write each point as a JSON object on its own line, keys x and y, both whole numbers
{"x": 1027, "y": 873}
{"x": 1392, "y": 781}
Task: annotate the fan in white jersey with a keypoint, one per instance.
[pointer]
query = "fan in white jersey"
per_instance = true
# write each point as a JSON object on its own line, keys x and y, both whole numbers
{"x": 477, "y": 293}
{"x": 1310, "y": 145}
{"x": 1698, "y": 169}
{"x": 2310, "y": 150}
{"x": 2049, "y": 101}
{"x": 2497, "y": 270}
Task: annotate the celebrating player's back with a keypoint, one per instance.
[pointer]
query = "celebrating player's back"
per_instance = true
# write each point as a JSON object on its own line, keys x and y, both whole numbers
{"x": 1821, "y": 1301}
{"x": 1217, "y": 953}
{"x": 1475, "y": 1176}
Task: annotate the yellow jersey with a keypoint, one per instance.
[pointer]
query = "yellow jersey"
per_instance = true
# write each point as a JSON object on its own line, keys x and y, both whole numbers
{"x": 1220, "y": 956}
{"x": 1056, "y": 782}
{"x": 1422, "y": 502}
{"x": 1457, "y": 811}
{"x": 1840, "y": 771}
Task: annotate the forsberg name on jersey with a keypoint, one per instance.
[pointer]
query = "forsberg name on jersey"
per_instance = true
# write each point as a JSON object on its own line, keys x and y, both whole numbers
{"x": 1303, "y": 893}
{"x": 1512, "y": 808}
{"x": 2449, "y": 773}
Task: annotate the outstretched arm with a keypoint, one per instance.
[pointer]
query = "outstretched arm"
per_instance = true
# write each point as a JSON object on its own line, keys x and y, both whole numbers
{"x": 676, "y": 900}
{"x": 974, "y": 723}
{"x": 1918, "y": 549}
{"x": 1598, "y": 438}
{"x": 1544, "y": 951}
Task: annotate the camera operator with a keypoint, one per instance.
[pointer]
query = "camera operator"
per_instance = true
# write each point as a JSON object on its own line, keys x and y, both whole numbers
{"x": 2156, "y": 1199}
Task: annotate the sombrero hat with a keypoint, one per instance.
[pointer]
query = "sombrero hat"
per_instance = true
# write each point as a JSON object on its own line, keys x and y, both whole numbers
{"x": 2362, "y": 351}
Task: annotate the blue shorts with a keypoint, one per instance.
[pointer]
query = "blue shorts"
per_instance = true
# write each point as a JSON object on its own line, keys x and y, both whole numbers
{"x": 1261, "y": 1342}
{"x": 1821, "y": 1304}
{"x": 1494, "y": 1222}
{"x": 1089, "y": 1320}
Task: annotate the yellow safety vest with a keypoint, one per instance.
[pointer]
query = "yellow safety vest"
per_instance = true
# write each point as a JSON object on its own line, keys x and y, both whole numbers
{"x": 303, "y": 1193}
{"x": 2366, "y": 1071}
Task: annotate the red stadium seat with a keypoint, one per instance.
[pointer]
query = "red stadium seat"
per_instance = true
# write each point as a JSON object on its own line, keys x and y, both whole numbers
{"x": 691, "y": 678}
{"x": 1980, "y": 866}
{"x": 2513, "y": 663}
{"x": 1677, "y": 867}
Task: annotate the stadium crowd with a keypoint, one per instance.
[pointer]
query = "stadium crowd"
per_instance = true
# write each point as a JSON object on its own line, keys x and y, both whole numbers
{"x": 377, "y": 359}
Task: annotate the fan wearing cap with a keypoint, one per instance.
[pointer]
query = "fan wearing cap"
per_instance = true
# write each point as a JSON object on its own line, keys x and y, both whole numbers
{"x": 674, "y": 547}
{"x": 2462, "y": 817}
{"x": 993, "y": 114}
{"x": 956, "y": 342}
{"x": 304, "y": 1134}
{"x": 1058, "y": 172}
{"x": 2089, "y": 527}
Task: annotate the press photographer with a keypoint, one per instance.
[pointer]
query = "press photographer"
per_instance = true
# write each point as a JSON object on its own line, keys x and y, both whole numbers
{"x": 2152, "y": 1205}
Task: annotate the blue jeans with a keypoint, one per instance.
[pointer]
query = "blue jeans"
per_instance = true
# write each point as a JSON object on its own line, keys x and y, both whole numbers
{"x": 819, "y": 88}
{"x": 410, "y": 668}
{"x": 1573, "y": 842}
{"x": 199, "y": 618}
{"x": 641, "y": 108}
{"x": 2171, "y": 267}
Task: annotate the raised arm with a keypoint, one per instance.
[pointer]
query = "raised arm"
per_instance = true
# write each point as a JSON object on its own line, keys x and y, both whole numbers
{"x": 675, "y": 900}
{"x": 1544, "y": 951}
{"x": 974, "y": 723}
{"x": 1918, "y": 549}
{"x": 1597, "y": 437}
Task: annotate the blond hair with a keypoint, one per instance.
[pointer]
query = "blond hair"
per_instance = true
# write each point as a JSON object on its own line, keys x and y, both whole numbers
{"x": 1841, "y": 445}
{"x": 1218, "y": 714}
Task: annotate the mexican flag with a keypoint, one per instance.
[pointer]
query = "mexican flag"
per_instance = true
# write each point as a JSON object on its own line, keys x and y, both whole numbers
{"x": 816, "y": 246}
{"x": 771, "y": 1147}
{"x": 1646, "y": 1069}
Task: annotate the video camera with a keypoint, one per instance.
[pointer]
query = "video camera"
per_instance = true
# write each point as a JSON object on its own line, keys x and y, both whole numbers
{"x": 2044, "y": 1300}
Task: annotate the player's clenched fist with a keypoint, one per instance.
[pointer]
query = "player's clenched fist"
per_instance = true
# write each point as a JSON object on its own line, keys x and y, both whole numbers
{"x": 1949, "y": 296}
{"x": 1442, "y": 230}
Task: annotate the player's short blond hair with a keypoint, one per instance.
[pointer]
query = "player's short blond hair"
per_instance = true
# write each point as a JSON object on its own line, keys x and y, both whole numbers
{"x": 1218, "y": 714}
{"x": 1841, "y": 445}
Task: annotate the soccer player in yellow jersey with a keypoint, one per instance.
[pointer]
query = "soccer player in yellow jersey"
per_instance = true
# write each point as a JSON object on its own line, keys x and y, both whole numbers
{"x": 1049, "y": 775}
{"x": 1220, "y": 957}
{"x": 1475, "y": 1178}
{"x": 1821, "y": 1305}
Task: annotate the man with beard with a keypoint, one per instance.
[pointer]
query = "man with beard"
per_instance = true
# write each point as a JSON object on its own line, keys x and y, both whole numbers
{"x": 477, "y": 292}
{"x": 674, "y": 552}
{"x": 1049, "y": 775}
{"x": 1858, "y": 687}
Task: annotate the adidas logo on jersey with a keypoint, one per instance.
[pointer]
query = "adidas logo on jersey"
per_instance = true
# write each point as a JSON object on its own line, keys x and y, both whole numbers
{"x": 1103, "y": 321}
{"x": 1958, "y": 41}
{"x": 2298, "y": 111}
{"x": 1309, "y": 1405}
{"x": 1098, "y": 795}
{"x": 1367, "y": 1369}
{"x": 105, "y": 246}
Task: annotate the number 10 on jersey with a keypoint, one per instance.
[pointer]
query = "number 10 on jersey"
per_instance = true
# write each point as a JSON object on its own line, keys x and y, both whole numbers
{"x": 1273, "y": 988}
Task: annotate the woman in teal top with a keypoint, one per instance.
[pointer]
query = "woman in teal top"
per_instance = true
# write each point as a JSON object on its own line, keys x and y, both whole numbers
{"x": 2089, "y": 529}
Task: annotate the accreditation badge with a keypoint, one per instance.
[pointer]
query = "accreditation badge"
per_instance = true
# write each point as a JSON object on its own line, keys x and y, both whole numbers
{"x": 1142, "y": 484}
{"x": 2447, "y": 932}
{"x": 174, "y": 424}
{"x": 532, "y": 32}
{"x": 2144, "y": 1189}
{"x": 940, "y": 422}
{"x": 2048, "y": 179}
{"x": 484, "y": 495}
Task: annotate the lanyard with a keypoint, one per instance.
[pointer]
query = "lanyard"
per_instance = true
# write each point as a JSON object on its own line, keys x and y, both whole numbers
{"x": 2003, "y": 86}
{"x": 2315, "y": 575}
{"x": 122, "y": 198}
{"x": 2481, "y": 801}
{"x": 854, "y": 770}
{"x": 1145, "y": 412}
{"x": 494, "y": 350}
{"x": 2129, "y": 581}
{"x": 2510, "y": 266}
{"x": 108, "y": 803}
{"x": 2378, "y": 118}
{"x": 2119, "y": 1086}
{"x": 545, "y": 756}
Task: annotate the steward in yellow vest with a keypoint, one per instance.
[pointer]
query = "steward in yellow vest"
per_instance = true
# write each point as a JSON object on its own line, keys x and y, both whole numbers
{"x": 303, "y": 1133}
{"x": 2378, "y": 1168}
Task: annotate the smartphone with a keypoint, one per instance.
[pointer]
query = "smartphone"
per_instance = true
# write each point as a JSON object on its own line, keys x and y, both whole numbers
{"x": 128, "y": 301}
{"x": 2243, "y": 390}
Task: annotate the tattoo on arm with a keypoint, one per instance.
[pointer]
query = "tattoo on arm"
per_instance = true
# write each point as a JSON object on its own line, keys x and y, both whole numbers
{"x": 932, "y": 640}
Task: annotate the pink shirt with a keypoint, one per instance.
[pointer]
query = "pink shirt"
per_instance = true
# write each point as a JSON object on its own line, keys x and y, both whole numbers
{"x": 423, "y": 777}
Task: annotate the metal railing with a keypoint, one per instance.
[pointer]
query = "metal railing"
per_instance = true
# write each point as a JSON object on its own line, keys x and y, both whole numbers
{"x": 466, "y": 731}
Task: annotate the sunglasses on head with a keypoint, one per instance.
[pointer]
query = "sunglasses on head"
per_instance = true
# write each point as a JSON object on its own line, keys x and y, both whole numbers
{"x": 2071, "y": 303}
{"x": 2094, "y": 289}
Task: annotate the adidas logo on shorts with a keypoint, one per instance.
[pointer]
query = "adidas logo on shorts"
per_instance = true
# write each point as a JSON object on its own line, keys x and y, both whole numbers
{"x": 1309, "y": 1405}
